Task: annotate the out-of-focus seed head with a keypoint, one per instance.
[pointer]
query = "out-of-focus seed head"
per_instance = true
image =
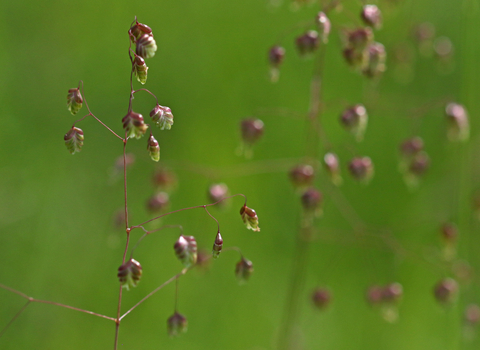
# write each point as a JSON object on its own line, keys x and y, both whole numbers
{"x": 372, "y": 16}
{"x": 472, "y": 314}
{"x": 463, "y": 271}
{"x": 361, "y": 169}
{"x": 302, "y": 175}
{"x": 392, "y": 292}
{"x": 414, "y": 167}
{"x": 374, "y": 295}
{"x": 355, "y": 119}
{"x": 276, "y": 55}
{"x": 158, "y": 203}
{"x": 250, "y": 218}
{"x": 458, "y": 124}
{"x": 425, "y": 31}
{"x": 146, "y": 46}
{"x": 140, "y": 69}
{"x": 411, "y": 146}
{"x": 164, "y": 179}
{"x": 424, "y": 34}
{"x": 130, "y": 273}
{"x": 323, "y": 25}
{"x": 74, "y": 140}
{"x": 162, "y": 117}
{"x": 243, "y": 270}
{"x": 312, "y": 200}
{"x": 218, "y": 191}
{"x": 443, "y": 47}
{"x": 376, "y": 60}
{"x": 217, "y": 245}
{"x": 186, "y": 250}
{"x": 321, "y": 298}
{"x": 177, "y": 324}
{"x": 307, "y": 43}
{"x": 449, "y": 232}
{"x": 134, "y": 125}
{"x": 74, "y": 100}
{"x": 332, "y": 165}
{"x": 275, "y": 58}
{"x": 446, "y": 290}
{"x": 360, "y": 38}
{"x": 355, "y": 58}
{"x": 203, "y": 259}
{"x": 153, "y": 148}
{"x": 252, "y": 130}
{"x": 419, "y": 164}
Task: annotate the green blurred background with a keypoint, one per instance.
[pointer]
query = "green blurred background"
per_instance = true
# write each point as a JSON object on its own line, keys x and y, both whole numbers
{"x": 57, "y": 237}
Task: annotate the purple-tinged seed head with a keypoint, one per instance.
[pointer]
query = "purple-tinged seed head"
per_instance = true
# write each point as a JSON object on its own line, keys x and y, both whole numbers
{"x": 446, "y": 290}
{"x": 302, "y": 175}
{"x": 321, "y": 297}
{"x": 371, "y": 16}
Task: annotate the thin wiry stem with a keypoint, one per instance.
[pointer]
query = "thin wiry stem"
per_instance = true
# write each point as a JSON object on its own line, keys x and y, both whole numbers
{"x": 189, "y": 208}
{"x": 33, "y": 300}
{"x": 153, "y": 292}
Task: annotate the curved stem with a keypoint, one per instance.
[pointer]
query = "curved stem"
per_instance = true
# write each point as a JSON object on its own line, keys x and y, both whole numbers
{"x": 183, "y": 209}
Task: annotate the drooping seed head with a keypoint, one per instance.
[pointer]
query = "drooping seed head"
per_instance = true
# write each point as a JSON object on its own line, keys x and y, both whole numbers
{"x": 323, "y": 25}
{"x": 74, "y": 100}
{"x": 186, "y": 250}
{"x": 307, "y": 43}
{"x": 302, "y": 175}
{"x": 321, "y": 298}
{"x": 371, "y": 16}
{"x": 137, "y": 30}
{"x": 153, "y": 148}
{"x": 243, "y": 270}
{"x": 74, "y": 140}
{"x": 446, "y": 290}
{"x": 355, "y": 119}
{"x": 250, "y": 218}
{"x": 361, "y": 168}
{"x": 146, "y": 46}
{"x": 134, "y": 125}
{"x": 177, "y": 324}
{"x": 129, "y": 273}
{"x": 162, "y": 117}
{"x": 140, "y": 69}
{"x": 217, "y": 245}
{"x": 458, "y": 124}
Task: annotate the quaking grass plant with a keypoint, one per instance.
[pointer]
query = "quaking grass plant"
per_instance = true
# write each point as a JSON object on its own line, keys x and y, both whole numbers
{"x": 130, "y": 271}
{"x": 337, "y": 175}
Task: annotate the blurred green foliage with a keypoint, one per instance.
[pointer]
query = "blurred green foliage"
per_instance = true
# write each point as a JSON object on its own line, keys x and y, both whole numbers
{"x": 57, "y": 239}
